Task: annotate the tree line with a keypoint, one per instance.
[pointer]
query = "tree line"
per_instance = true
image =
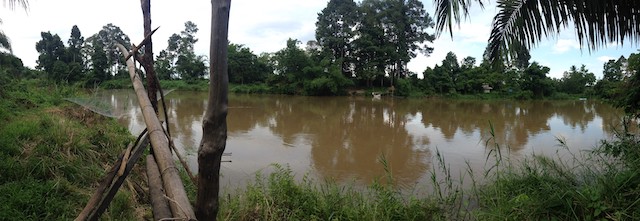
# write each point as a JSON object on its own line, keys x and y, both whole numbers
{"x": 363, "y": 45}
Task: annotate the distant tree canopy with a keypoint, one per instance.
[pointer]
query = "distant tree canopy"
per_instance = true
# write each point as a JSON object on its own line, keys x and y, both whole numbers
{"x": 374, "y": 38}
{"x": 358, "y": 45}
{"x": 179, "y": 60}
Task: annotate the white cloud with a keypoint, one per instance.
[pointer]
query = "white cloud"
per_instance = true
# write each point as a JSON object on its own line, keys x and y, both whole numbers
{"x": 564, "y": 45}
{"x": 605, "y": 58}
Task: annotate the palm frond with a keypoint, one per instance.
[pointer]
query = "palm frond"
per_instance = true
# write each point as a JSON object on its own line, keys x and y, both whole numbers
{"x": 12, "y": 4}
{"x": 450, "y": 11}
{"x": 4, "y": 42}
{"x": 596, "y": 22}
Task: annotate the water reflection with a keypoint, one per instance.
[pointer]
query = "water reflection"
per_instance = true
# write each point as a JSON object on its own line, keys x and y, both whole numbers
{"x": 342, "y": 138}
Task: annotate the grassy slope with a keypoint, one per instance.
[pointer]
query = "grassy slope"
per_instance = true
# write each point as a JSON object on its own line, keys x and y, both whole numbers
{"x": 53, "y": 154}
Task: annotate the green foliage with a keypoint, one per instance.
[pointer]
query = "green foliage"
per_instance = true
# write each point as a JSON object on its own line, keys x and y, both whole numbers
{"x": 245, "y": 67}
{"x": 52, "y": 53}
{"x": 280, "y": 197}
{"x": 630, "y": 89}
{"x": 576, "y": 81}
{"x": 100, "y": 71}
{"x": 107, "y": 38}
{"x": 601, "y": 185}
{"x": 250, "y": 89}
{"x": 535, "y": 79}
{"x": 335, "y": 31}
{"x": 179, "y": 59}
{"x": 11, "y": 67}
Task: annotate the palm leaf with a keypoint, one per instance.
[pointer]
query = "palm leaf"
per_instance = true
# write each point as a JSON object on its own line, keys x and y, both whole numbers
{"x": 448, "y": 11}
{"x": 12, "y": 4}
{"x": 4, "y": 41}
{"x": 596, "y": 22}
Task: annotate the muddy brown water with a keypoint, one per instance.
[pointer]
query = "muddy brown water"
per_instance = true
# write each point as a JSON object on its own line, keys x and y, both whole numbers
{"x": 343, "y": 138}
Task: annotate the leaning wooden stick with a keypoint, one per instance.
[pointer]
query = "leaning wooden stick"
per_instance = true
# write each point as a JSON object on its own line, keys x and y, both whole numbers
{"x": 168, "y": 170}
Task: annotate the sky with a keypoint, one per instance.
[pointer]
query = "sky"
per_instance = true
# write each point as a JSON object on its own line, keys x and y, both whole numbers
{"x": 264, "y": 26}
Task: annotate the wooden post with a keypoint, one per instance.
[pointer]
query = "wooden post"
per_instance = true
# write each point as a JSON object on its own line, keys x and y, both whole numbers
{"x": 180, "y": 206}
{"x": 214, "y": 124}
{"x": 147, "y": 58}
{"x": 159, "y": 204}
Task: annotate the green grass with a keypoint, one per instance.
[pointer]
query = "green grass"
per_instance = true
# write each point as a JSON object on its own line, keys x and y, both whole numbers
{"x": 603, "y": 184}
{"x": 279, "y": 196}
{"x": 53, "y": 154}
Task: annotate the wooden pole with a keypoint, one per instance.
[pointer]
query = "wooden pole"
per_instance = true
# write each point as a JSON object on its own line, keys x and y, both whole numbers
{"x": 214, "y": 124}
{"x": 180, "y": 206}
{"x": 159, "y": 204}
{"x": 147, "y": 58}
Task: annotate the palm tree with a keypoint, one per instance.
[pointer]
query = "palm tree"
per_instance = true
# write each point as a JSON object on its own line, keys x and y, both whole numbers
{"x": 4, "y": 40}
{"x": 523, "y": 23}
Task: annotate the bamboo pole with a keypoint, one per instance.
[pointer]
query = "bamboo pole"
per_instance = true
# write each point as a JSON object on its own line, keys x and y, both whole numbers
{"x": 180, "y": 206}
{"x": 159, "y": 204}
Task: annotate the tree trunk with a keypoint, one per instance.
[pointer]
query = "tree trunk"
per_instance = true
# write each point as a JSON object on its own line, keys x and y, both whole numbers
{"x": 214, "y": 124}
{"x": 147, "y": 58}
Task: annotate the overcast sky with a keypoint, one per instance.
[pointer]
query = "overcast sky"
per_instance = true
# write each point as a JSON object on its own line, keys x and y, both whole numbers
{"x": 264, "y": 26}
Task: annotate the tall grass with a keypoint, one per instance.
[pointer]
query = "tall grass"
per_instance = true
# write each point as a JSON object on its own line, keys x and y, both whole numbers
{"x": 279, "y": 197}
{"x": 53, "y": 154}
{"x": 599, "y": 185}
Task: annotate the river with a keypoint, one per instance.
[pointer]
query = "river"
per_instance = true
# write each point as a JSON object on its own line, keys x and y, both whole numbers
{"x": 343, "y": 138}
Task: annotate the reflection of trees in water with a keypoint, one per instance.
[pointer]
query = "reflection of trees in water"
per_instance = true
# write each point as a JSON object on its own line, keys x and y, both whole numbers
{"x": 576, "y": 113}
{"x": 513, "y": 122}
{"x": 611, "y": 118}
{"x": 185, "y": 111}
{"x": 248, "y": 111}
{"x": 349, "y": 135}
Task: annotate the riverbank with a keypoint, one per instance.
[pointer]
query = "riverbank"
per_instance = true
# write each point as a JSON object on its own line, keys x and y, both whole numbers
{"x": 599, "y": 185}
{"x": 54, "y": 153}
{"x": 406, "y": 92}
{"x": 58, "y": 152}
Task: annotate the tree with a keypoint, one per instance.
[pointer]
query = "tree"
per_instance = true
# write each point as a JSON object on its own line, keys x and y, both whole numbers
{"x": 629, "y": 98}
{"x": 52, "y": 56}
{"x": 612, "y": 70}
{"x": 335, "y": 31}
{"x": 74, "y": 57}
{"x": 575, "y": 81}
{"x": 244, "y": 66}
{"x": 611, "y": 81}
{"x": 395, "y": 30}
{"x": 371, "y": 48}
{"x": 11, "y": 67}
{"x": 99, "y": 63}
{"x": 451, "y": 68}
{"x": 214, "y": 124}
{"x": 289, "y": 68}
{"x": 407, "y": 23}
{"x": 109, "y": 36}
{"x": 164, "y": 66}
{"x": 535, "y": 79}
{"x": 180, "y": 55}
